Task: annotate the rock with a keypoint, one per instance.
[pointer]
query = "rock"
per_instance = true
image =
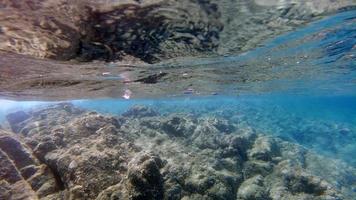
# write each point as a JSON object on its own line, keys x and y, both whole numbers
{"x": 112, "y": 192}
{"x": 21, "y": 190}
{"x": 252, "y": 168}
{"x": 5, "y": 190}
{"x": 206, "y": 135}
{"x": 253, "y": 188}
{"x": 22, "y": 175}
{"x": 73, "y": 165}
{"x": 43, "y": 148}
{"x": 140, "y": 111}
{"x": 241, "y": 140}
{"x": 92, "y": 122}
{"x": 15, "y": 151}
{"x": 86, "y": 155}
{"x": 144, "y": 178}
{"x": 221, "y": 124}
{"x": 177, "y": 126}
{"x": 263, "y": 149}
{"x": 292, "y": 182}
{"x": 8, "y": 171}
{"x": 15, "y": 120}
{"x": 81, "y": 148}
{"x": 29, "y": 171}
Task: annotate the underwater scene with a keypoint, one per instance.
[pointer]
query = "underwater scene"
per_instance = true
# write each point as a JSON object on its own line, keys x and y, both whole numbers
{"x": 178, "y": 100}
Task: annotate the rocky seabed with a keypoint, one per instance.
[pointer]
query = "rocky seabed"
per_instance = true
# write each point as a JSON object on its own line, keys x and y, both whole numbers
{"x": 63, "y": 152}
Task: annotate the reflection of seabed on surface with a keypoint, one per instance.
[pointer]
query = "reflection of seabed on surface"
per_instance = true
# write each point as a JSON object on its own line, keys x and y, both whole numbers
{"x": 307, "y": 60}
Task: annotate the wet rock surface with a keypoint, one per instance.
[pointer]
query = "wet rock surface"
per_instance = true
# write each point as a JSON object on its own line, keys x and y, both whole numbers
{"x": 62, "y": 152}
{"x": 22, "y": 175}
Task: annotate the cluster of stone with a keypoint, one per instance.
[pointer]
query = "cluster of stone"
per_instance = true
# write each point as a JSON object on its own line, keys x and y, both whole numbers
{"x": 63, "y": 152}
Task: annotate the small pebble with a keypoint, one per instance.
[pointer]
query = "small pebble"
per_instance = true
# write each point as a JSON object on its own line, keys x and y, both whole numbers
{"x": 73, "y": 165}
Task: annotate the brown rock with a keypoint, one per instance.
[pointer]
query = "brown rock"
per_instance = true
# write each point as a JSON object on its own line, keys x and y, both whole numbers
{"x": 16, "y": 152}
{"x": 22, "y": 175}
{"x": 144, "y": 178}
{"x": 15, "y": 119}
{"x": 8, "y": 171}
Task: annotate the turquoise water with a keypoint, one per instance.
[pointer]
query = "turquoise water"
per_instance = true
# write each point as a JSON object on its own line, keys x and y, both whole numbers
{"x": 326, "y": 124}
{"x": 317, "y": 101}
{"x": 310, "y": 99}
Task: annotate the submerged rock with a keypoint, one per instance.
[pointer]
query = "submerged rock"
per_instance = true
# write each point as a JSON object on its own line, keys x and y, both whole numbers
{"x": 177, "y": 126}
{"x": 253, "y": 188}
{"x": 16, "y": 118}
{"x": 144, "y": 180}
{"x": 86, "y": 155}
{"x": 140, "y": 111}
{"x": 22, "y": 175}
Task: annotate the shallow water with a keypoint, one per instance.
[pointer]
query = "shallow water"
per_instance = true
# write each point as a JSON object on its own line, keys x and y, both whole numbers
{"x": 326, "y": 124}
{"x": 275, "y": 122}
{"x": 322, "y": 125}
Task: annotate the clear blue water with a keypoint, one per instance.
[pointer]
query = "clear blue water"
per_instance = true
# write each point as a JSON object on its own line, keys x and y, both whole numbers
{"x": 314, "y": 97}
{"x": 325, "y": 124}
{"x": 311, "y": 100}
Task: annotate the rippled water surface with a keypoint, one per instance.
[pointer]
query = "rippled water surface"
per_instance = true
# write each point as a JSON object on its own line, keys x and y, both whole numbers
{"x": 317, "y": 57}
{"x": 271, "y": 120}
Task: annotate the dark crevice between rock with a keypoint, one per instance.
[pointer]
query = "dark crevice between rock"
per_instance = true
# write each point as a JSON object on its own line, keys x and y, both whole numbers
{"x": 57, "y": 177}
